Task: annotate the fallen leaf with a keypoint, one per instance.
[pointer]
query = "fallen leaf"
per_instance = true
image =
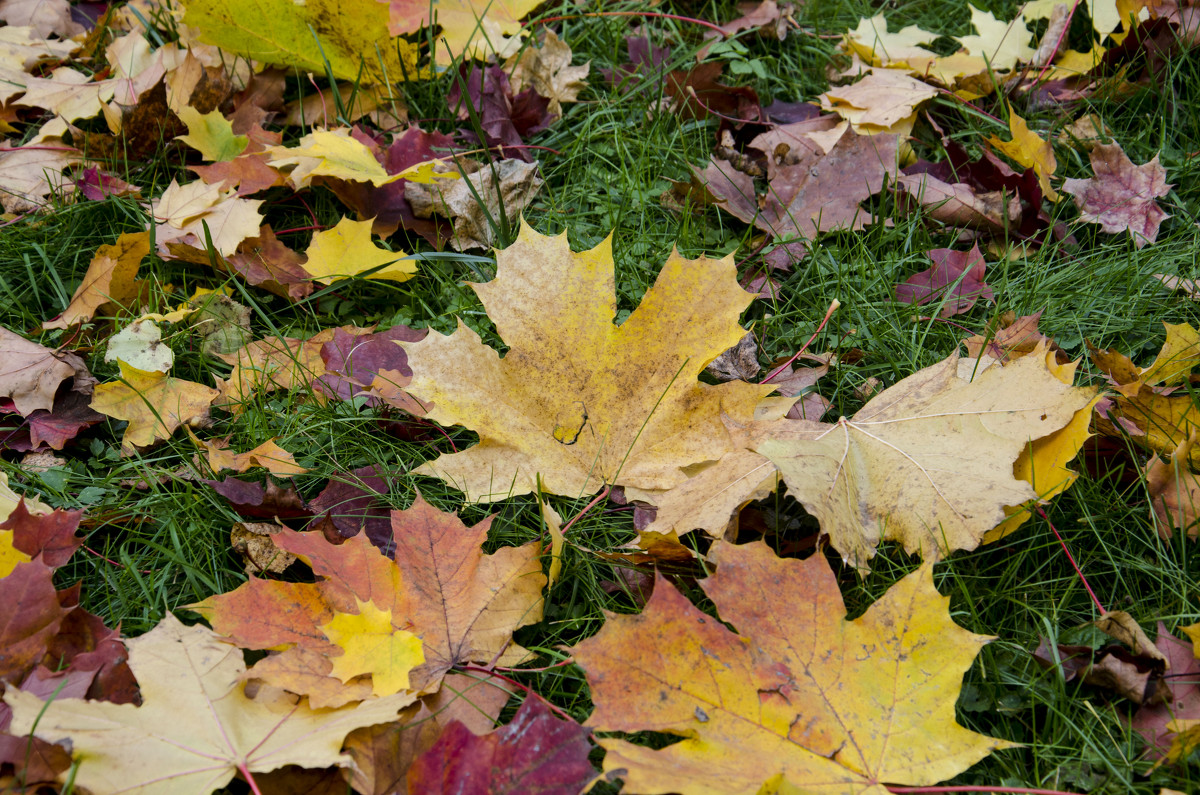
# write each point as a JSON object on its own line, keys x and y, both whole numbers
{"x": 45, "y": 17}
{"x": 189, "y": 671}
{"x": 588, "y": 402}
{"x": 270, "y": 456}
{"x": 31, "y": 374}
{"x": 1031, "y": 151}
{"x": 195, "y": 212}
{"x": 346, "y": 251}
{"x": 739, "y": 363}
{"x": 155, "y": 404}
{"x": 266, "y": 262}
{"x": 548, "y": 71}
{"x": 927, "y": 462}
{"x": 879, "y": 101}
{"x": 462, "y": 604}
{"x": 1189, "y": 287}
{"x": 45, "y": 536}
{"x": 352, "y": 503}
{"x": 802, "y": 698}
{"x": 1154, "y": 721}
{"x": 211, "y": 134}
{"x": 140, "y": 346}
{"x": 110, "y": 279}
{"x": 535, "y": 753}
{"x": 818, "y": 193}
{"x": 479, "y": 203}
{"x": 1130, "y": 676}
{"x": 370, "y": 644}
{"x": 1002, "y": 44}
{"x": 955, "y": 281}
{"x": 353, "y": 363}
{"x": 329, "y": 153}
{"x": 383, "y": 754}
{"x": 252, "y": 540}
{"x": 350, "y": 37}
{"x": 387, "y": 204}
{"x": 470, "y": 28}
{"x": 958, "y": 204}
{"x": 1016, "y": 337}
{"x": 1121, "y": 196}
{"x": 875, "y": 44}
{"x": 769, "y": 18}
{"x": 1174, "y": 491}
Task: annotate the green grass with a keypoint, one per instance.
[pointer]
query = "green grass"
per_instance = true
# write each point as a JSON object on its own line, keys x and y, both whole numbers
{"x": 159, "y": 548}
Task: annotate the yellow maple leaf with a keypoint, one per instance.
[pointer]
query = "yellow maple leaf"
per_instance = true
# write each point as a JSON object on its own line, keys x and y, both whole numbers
{"x": 372, "y": 645}
{"x": 876, "y": 45}
{"x": 800, "y": 700}
{"x": 585, "y": 402}
{"x": 927, "y": 462}
{"x": 154, "y": 403}
{"x": 347, "y": 250}
{"x": 470, "y": 28}
{"x": 1031, "y": 151}
{"x": 1043, "y": 462}
{"x": 880, "y": 102}
{"x": 9, "y": 500}
{"x": 329, "y": 153}
{"x": 1002, "y": 44}
{"x": 211, "y": 134}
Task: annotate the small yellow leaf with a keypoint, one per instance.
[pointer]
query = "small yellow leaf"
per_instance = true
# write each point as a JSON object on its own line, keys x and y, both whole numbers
{"x": 10, "y": 556}
{"x": 429, "y": 172}
{"x": 346, "y": 251}
{"x": 1002, "y": 44}
{"x": 1031, "y": 151}
{"x": 373, "y": 646}
{"x": 330, "y": 153}
{"x": 211, "y": 134}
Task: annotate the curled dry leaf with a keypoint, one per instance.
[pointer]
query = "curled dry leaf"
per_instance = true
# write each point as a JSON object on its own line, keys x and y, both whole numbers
{"x": 547, "y": 69}
{"x": 111, "y": 278}
{"x": 588, "y": 402}
{"x": 1174, "y": 491}
{"x": 505, "y": 189}
{"x": 31, "y": 374}
{"x": 874, "y": 697}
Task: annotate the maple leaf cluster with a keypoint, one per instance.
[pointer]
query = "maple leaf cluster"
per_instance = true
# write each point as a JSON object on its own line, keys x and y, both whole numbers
{"x": 381, "y": 666}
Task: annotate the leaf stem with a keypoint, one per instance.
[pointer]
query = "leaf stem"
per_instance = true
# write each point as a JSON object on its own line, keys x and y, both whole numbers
{"x": 586, "y": 508}
{"x": 828, "y": 314}
{"x": 1071, "y": 558}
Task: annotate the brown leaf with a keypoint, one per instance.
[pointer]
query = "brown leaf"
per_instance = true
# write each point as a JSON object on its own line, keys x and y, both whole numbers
{"x": 511, "y": 183}
{"x": 31, "y": 374}
{"x": 110, "y": 279}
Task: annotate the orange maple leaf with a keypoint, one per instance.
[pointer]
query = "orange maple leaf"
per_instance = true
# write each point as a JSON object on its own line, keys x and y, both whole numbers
{"x": 802, "y": 700}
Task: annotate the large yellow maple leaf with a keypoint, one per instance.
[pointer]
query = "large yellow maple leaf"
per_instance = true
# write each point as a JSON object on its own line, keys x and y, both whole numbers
{"x": 579, "y": 401}
{"x": 799, "y": 700}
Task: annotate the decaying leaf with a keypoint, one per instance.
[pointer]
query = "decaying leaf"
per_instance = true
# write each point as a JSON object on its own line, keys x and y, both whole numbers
{"x": 30, "y": 374}
{"x": 505, "y": 189}
{"x": 1121, "y": 196}
{"x": 927, "y": 462}
{"x": 801, "y": 699}
{"x": 588, "y": 402}
{"x": 535, "y": 753}
{"x": 955, "y": 281}
{"x": 1174, "y": 491}
{"x": 547, "y": 69}
{"x": 189, "y": 672}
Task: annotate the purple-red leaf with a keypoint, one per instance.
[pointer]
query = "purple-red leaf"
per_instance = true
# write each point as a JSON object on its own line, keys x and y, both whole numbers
{"x": 956, "y": 277}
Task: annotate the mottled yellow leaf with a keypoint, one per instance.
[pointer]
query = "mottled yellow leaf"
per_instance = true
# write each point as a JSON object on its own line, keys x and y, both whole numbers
{"x": 1031, "y": 151}
{"x": 585, "y": 402}
{"x": 211, "y": 134}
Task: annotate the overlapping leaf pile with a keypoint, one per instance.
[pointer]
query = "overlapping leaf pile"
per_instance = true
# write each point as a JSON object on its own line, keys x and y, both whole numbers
{"x": 380, "y": 654}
